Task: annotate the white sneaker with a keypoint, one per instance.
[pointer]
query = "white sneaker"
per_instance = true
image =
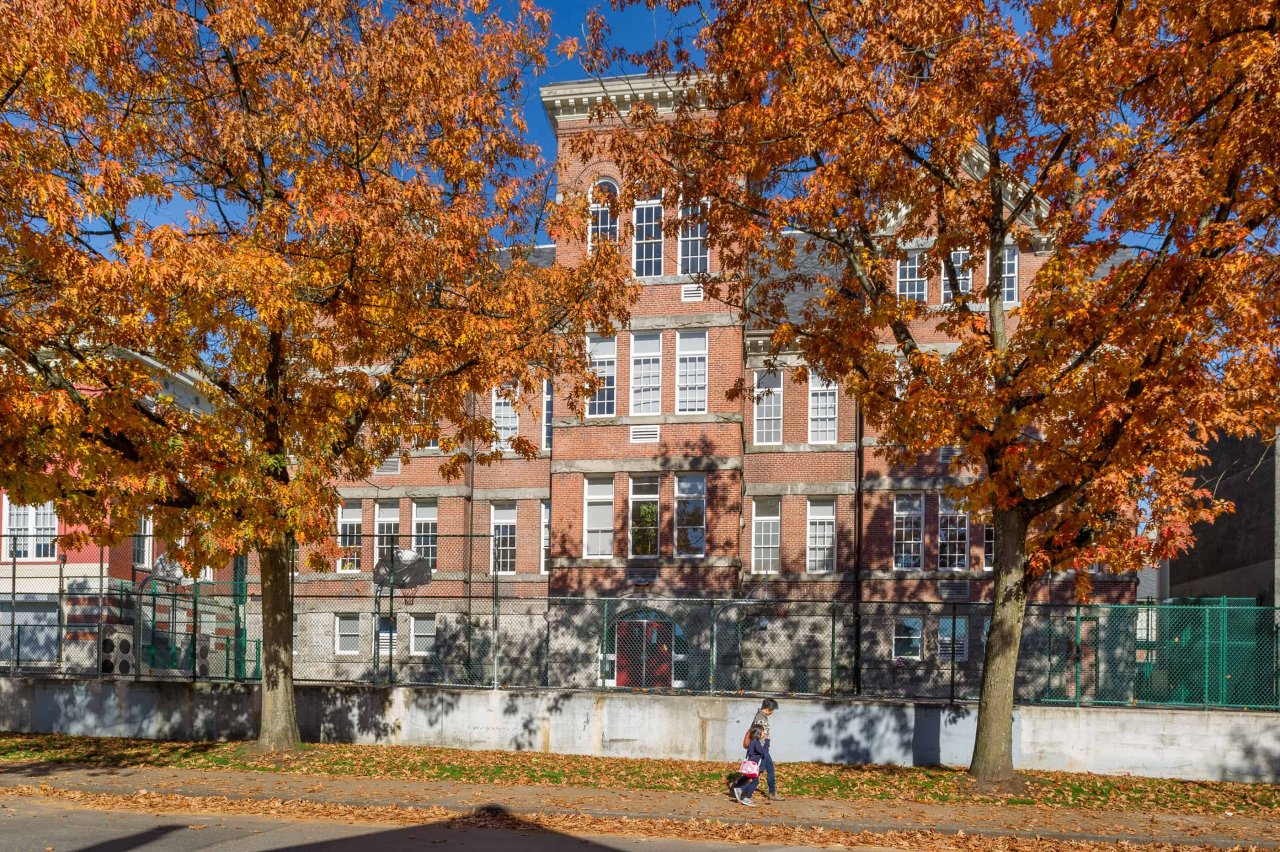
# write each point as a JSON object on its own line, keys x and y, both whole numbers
{"x": 737, "y": 794}
{"x": 747, "y": 802}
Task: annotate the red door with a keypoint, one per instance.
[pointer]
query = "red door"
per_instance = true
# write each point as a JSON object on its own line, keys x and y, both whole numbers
{"x": 643, "y": 654}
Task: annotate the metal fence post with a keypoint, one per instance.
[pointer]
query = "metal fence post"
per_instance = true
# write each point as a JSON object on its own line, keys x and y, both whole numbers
{"x": 13, "y": 604}
{"x": 493, "y": 642}
{"x": 832, "y": 670}
{"x": 711, "y": 663}
{"x": 1204, "y": 618}
{"x": 1078, "y": 654}
{"x": 195, "y": 628}
{"x": 62, "y": 603}
{"x": 954, "y": 610}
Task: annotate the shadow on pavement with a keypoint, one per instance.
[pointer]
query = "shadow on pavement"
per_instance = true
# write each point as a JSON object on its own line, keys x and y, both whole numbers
{"x": 488, "y": 829}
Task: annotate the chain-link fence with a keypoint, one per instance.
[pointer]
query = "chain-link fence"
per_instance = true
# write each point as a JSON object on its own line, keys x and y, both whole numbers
{"x": 410, "y": 606}
{"x": 1207, "y": 654}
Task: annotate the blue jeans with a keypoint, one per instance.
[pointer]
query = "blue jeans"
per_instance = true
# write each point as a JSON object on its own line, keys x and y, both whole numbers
{"x": 766, "y": 766}
{"x": 748, "y": 783}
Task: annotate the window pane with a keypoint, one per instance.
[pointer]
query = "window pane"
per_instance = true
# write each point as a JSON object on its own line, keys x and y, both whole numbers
{"x": 648, "y": 238}
{"x": 908, "y": 531}
{"x": 964, "y": 277}
{"x": 646, "y": 374}
{"x": 691, "y": 372}
{"x": 691, "y": 520}
{"x": 503, "y": 532}
{"x": 349, "y": 537}
{"x": 694, "y": 256}
{"x": 603, "y": 352}
{"x": 548, "y": 411}
{"x": 598, "y": 526}
{"x": 912, "y": 284}
{"x": 1009, "y": 273}
{"x": 506, "y": 421}
{"x": 766, "y": 536}
{"x": 822, "y": 536}
{"x": 907, "y": 637}
{"x": 953, "y": 536}
{"x": 822, "y": 411}
{"x": 768, "y": 407}
{"x": 604, "y": 223}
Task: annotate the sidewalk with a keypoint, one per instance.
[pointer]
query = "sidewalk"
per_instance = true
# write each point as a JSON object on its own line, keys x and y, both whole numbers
{"x": 862, "y": 816}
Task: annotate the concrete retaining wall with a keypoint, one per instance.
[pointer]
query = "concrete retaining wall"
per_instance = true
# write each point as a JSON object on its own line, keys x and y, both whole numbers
{"x": 1214, "y": 745}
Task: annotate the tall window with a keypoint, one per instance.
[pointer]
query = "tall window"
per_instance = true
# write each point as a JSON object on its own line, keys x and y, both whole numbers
{"x": 425, "y": 516}
{"x": 548, "y": 411}
{"x": 604, "y": 219}
{"x": 953, "y": 536}
{"x": 545, "y": 562}
{"x": 33, "y": 531}
{"x": 766, "y": 535}
{"x": 387, "y": 520}
{"x": 768, "y": 407}
{"x": 346, "y": 633}
{"x": 142, "y": 548}
{"x": 823, "y": 410}
{"x": 822, "y": 536}
{"x": 646, "y": 374}
{"x": 603, "y": 352}
{"x": 647, "y": 246}
{"x": 964, "y": 275}
{"x": 644, "y": 517}
{"x": 908, "y": 531}
{"x": 349, "y": 536}
{"x": 912, "y": 283}
{"x": 691, "y": 372}
{"x": 502, "y": 530}
{"x": 694, "y": 256}
{"x": 691, "y": 514}
{"x": 988, "y": 546}
{"x": 598, "y": 517}
{"x": 953, "y": 638}
{"x": 506, "y": 420}
{"x": 1009, "y": 274}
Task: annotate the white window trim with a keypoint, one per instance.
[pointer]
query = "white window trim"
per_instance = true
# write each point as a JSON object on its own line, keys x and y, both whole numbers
{"x": 960, "y": 275}
{"x": 586, "y": 502}
{"x": 493, "y": 562}
{"x": 835, "y": 535}
{"x": 757, "y": 399}
{"x": 756, "y": 517}
{"x": 501, "y": 443}
{"x": 919, "y": 637}
{"x": 359, "y": 536}
{"x": 337, "y": 635}
{"x": 414, "y": 618}
{"x": 594, "y": 206}
{"x": 985, "y": 565}
{"x": 548, "y": 407}
{"x": 834, "y": 389}
{"x": 675, "y": 517}
{"x": 1017, "y": 274}
{"x": 419, "y": 515}
{"x": 544, "y": 537}
{"x": 586, "y": 409}
{"x": 706, "y": 358}
{"x": 57, "y": 545}
{"x": 921, "y": 275}
{"x": 968, "y": 542}
{"x": 922, "y": 515}
{"x": 631, "y": 509}
{"x": 148, "y": 539}
{"x": 662, "y": 236}
{"x": 680, "y": 239}
{"x": 631, "y": 391}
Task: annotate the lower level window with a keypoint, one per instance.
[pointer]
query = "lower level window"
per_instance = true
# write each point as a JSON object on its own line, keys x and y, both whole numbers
{"x": 503, "y": 531}
{"x": 906, "y": 638}
{"x": 346, "y": 629}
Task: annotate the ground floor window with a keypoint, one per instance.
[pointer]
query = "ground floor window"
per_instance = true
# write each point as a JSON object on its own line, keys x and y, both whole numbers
{"x": 907, "y": 633}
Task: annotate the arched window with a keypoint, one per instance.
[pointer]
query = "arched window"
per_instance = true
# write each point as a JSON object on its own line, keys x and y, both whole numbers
{"x": 645, "y": 649}
{"x": 604, "y": 217}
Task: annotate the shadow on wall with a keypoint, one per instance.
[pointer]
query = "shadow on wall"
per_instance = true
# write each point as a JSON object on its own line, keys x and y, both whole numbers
{"x": 489, "y": 829}
{"x": 904, "y": 734}
{"x": 1259, "y": 757}
{"x": 533, "y": 725}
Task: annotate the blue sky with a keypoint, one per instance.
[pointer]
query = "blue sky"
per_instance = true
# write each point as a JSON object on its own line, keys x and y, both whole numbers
{"x": 636, "y": 28}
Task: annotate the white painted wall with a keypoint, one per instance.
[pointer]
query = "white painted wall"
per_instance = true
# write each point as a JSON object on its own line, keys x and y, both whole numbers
{"x": 1192, "y": 744}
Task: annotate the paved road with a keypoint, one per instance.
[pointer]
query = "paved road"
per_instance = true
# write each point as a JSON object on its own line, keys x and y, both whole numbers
{"x": 39, "y": 825}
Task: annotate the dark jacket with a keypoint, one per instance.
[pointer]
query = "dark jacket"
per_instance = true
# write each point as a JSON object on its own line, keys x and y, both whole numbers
{"x": 757, "y": 750}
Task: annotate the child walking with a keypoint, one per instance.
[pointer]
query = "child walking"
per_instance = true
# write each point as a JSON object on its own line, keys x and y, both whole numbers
{"x": 757, "y": 752}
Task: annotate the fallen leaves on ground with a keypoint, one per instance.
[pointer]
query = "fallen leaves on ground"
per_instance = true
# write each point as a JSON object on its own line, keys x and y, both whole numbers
{"x": 811, "y": 780}
{"x": 580, "y": 824}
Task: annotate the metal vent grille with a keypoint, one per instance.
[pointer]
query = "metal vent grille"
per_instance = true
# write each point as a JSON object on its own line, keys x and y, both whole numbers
{"x": 644, "y": 434}
{"x": 691, "y": 293}
{"x": 389, "y": 467}
{"x": 953, "y": 590}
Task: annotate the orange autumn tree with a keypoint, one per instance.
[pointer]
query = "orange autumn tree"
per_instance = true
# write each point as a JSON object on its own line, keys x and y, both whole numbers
{"x": 1131, "y": 144}
{"x": 316, "y": 214}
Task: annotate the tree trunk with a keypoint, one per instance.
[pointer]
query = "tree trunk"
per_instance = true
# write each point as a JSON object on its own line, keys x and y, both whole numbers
{"x": 993, "y": 747}
{"x": 279, "y": 727}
